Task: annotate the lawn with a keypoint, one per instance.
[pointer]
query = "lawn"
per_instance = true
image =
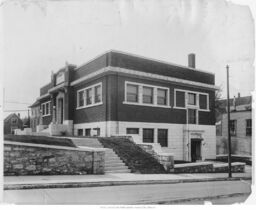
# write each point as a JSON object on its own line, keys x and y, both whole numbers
{"x": 134, "y": 157}
{"x": 40, "y": 140}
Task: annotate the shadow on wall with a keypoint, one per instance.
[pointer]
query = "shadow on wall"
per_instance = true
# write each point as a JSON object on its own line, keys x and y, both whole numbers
{"x": 239, "y": 146}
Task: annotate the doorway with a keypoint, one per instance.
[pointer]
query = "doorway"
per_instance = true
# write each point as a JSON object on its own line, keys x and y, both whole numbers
{"x": 196, "y": 150}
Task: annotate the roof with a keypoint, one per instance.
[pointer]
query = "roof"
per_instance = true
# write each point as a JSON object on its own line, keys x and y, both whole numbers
{"x": 11, "y": 116}
{"x": 246, "y": 100}
{"x": 142, "y": 64}
{"x": 35, "y": 104}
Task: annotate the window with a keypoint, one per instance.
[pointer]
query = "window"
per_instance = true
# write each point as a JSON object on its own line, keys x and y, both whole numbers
{"x": 191, "y": 99}
{"x": 80, "y": 132}
{"x": 162, "y": 136}
{"x": 233, "y": 127}
{"x": 180, "y": 99}
{"x": 147, "y": 95}
{"x": 203, "y": 101}
{"x": 132, "y": 131}
{"x": 132, "y": 93}
{"x": 192, "y": 116}
{"x": 81, "y": 98}
{"x": 87, "y": 132}
{"x": 14, "y": 121}
{"x": 46, "y": 108}
{"x": 161, "y": 96}
{"x": 97, "y": 91}
{"x": 89, "y": 96}
{"x": 248, "y": 127}
{"x": 97, "y": 131}
{"x": 148, "y": 135}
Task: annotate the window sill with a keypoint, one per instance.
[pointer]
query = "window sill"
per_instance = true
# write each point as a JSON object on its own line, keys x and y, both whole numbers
{"x": 204, "y": 110}
{"x": 91, "y": 105}
{"x": 176, "y": 107}
{"x": 150, "y": 105}
{"x": 46, "y": 115}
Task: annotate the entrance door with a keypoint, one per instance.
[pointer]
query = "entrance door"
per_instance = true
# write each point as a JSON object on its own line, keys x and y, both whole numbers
{"x": 195, "y": 150}
{"x": 60, "y": 111}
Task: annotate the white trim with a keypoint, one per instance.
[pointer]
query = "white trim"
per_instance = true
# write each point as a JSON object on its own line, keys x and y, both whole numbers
{"x": 93, "y": 96}
{"x": 89, "y": 76}
{"x": 151, "y": 105}
{"x": 140, "y": 95}
{"x": 144, "y": 74}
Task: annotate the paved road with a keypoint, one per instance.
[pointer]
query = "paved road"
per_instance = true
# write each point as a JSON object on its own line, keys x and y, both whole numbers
{"x": 132, "y": 194}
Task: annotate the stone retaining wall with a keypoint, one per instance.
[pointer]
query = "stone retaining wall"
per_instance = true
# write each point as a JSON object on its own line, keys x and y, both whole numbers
{"x": 165, "y": 159}
{"x": 236, "y": 167}
{"x": 202, "y": 167}
{"x": 37, "y": 159}
{"x": 208, "y": 167}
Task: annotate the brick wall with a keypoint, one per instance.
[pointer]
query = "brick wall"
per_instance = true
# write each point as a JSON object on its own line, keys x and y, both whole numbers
{"x": 36, "y": 159}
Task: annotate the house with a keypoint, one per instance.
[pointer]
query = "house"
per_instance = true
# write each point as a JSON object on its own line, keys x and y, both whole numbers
{"x": 240, "y": 126}
{"x": 123, "y": 94}
{"x": 12, "y": 122}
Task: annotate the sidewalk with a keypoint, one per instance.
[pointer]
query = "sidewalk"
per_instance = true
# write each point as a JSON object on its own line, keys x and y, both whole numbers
{"x": 64, "y": 181}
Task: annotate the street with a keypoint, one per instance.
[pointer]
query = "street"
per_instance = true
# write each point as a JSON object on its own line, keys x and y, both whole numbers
{"x": 134, "y": 194}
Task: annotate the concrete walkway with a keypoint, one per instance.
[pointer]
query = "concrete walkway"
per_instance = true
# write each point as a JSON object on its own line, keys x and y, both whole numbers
{"x": 30, "y": 182}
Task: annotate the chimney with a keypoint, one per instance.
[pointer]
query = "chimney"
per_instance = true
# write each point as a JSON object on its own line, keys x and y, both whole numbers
{"x": 192, "y": 60}
{"x": 238, "y": 95}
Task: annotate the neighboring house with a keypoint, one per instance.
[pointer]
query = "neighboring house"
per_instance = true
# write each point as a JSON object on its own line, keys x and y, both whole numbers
{"x": 35, "y": 115}
{"x": 123, "y": 94}
{"x": 12, "y": 122}
{"x": 240, "y": 125}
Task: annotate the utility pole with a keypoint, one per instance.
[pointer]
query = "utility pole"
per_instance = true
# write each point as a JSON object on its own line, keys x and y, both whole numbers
{"x": 229, "y": 140}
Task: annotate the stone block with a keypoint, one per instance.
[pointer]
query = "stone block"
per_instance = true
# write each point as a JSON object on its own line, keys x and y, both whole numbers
{"x": 31, "y": 167}
{"x": 17, "y": 166}
{"x": 7, "y": 148}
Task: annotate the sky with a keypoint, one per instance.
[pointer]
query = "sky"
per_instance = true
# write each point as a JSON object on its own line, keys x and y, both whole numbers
{"x": 40, "y": 36}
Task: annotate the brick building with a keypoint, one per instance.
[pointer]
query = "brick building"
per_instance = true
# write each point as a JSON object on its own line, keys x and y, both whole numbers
{"x": 119, "y": 94}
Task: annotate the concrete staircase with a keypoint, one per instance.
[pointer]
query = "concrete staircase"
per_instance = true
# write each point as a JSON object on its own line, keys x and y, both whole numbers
{"x": 113, "y": 164}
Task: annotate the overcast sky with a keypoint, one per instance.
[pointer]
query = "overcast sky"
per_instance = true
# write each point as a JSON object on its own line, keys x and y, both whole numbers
{"x": 39, "y": 37}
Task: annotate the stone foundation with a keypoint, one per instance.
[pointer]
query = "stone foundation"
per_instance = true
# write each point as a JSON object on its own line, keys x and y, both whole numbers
{"x": 37, "y": 159}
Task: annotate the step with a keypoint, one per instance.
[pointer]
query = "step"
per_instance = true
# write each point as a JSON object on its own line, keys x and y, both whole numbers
{"x": 118, "y": 171}
{"x": 116, "y": 168}
{"x": 114, "y": 164}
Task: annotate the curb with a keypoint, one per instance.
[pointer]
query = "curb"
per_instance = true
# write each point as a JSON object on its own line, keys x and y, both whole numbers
{"x": 113, "y": 183}
{"x": 182, "y": 200}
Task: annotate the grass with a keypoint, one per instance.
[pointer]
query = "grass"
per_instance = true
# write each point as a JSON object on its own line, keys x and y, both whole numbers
{"x": 134, "y": 157}
{"x": 40, "y": 140}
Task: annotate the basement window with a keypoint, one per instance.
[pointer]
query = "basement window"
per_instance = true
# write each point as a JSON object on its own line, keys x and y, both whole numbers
{"x": 80, "y": 132}
{"x": 148, "y": 135}
{"x": 132, "y": 130}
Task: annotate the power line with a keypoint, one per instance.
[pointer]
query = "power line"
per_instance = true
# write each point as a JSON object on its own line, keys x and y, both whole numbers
{"x": 15, "y": 102}
{"x": 17, "y": 110}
